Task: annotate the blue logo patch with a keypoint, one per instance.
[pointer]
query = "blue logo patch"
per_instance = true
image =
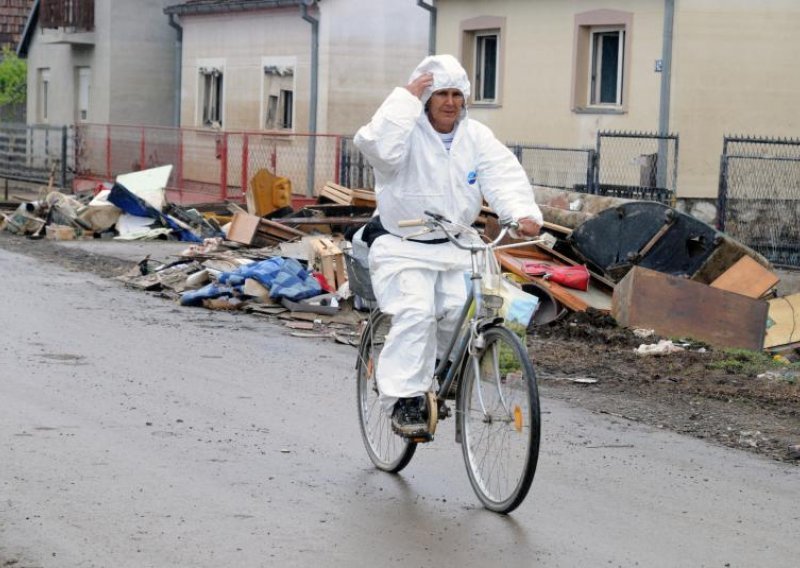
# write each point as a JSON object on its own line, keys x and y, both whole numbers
{"x": 472, "y": 177}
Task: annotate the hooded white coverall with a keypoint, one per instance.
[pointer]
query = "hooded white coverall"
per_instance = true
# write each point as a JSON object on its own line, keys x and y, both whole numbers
{"x": 422, "y": 285}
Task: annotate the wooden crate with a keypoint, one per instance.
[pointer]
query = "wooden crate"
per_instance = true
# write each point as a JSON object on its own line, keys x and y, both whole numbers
{"x": 677, "y": 307}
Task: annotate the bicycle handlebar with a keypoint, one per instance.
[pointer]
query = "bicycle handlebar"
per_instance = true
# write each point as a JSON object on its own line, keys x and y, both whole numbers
{"x": 436, "y": 221}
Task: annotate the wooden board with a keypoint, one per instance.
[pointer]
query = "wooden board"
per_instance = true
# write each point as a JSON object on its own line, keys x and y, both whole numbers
{"x": 243, "y": 228}
{"x": 784, "y": 321}
{"x": 748, "y": 278}
{"x": 677, "y": 307}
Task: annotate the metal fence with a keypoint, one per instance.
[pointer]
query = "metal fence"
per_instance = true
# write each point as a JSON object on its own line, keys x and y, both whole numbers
{"x": 637, "y": 165}
{"x": 559, "y": 168}
{"x": 633, "y": 165}
{"x": 759, "y": 196}
{"x": 355, "y": 170}
{"x": 208, "y": 165}
{"x": 33, "y": 153}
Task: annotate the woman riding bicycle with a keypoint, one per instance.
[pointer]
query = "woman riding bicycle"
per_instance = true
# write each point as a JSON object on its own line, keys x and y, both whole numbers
{"x": 428, "y": 155}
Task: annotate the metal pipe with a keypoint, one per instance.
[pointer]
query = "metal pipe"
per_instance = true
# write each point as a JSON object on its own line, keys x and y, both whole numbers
{"x": 432, "y": 26}
{"x": 176, "y": 104}
{"x": 664, "y": 104}
{"x": 666, "y": 69}
{"x": 312, "y": 118}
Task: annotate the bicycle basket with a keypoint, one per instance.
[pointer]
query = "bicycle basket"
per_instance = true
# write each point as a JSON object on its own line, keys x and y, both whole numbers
{"x": 358, "y": 276}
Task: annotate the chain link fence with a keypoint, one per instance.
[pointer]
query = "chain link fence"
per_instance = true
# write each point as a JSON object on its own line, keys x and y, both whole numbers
{"x": 637, "y": 165}
{"x": 557, "y": 168}
{"x": 32, "y": 153}
{"x": 759, "y": 196}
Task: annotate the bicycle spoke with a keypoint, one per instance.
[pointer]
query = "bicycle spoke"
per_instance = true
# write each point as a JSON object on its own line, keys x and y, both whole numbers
{"x": 387, "y": 451}
{"x": 500, "y": 446}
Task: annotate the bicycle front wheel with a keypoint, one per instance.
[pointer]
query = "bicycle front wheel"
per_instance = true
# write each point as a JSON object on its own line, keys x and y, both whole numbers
{"x": 500, "y": 421}
{"x": 387, "y": 450}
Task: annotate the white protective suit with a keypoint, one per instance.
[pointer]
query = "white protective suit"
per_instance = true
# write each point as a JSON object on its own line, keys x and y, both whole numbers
{"x": 422, "y": 285}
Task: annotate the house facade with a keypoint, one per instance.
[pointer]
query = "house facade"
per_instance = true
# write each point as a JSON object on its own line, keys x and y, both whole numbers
{"x": 557, "y": 73}
{"x": 247, "y": 64}
{"x": 100, "y": 61}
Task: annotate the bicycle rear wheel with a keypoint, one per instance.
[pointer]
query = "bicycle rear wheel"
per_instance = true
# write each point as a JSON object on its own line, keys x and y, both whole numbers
{"x": 499, "y": 420}
{"x": 387, "y": 450}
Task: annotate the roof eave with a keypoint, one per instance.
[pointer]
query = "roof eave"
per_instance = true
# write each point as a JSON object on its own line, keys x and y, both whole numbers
{"x": 233, "y": 6}
{"x": 27, "y": 32}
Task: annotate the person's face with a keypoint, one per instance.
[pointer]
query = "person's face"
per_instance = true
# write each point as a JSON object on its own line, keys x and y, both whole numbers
{"x": 444, "y": 108}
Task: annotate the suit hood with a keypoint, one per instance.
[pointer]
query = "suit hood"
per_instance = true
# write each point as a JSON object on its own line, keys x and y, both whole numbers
{"x": 447, "y": 74}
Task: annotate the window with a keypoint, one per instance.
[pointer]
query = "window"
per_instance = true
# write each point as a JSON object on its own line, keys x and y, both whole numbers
{"x": 211, "y": 96}
{"x": 84, "y": 85}
{"x": 43, "y": 106}
{"x": 482, "y": 56}
{"x": 287, "y": 108}
{"x": 486, "y": 52}
{"x": 278, "y": 93}
{"x": 601, "y": 63}
{"x": 607, "y": 61}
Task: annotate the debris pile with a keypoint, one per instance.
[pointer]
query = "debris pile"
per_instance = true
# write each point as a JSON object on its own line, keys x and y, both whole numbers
{"x": 132, "y": 208}
{"x": 643, "y": 264}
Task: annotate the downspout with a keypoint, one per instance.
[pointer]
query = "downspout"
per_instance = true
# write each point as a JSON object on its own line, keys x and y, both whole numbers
{"x": 432, "y": 31}
{"x": 176, "y": 113}
{"x": 312, "y": 119}
{"x": 664, "y": 104}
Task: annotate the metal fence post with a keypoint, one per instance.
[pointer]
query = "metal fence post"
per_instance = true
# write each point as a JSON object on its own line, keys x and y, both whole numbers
{"x": 108, "y": 151}
{"x": 223, "y": 182}
{"x": 722, "y": 195}
{"x": 245, "y": 160}
{"x": 63, "y": 156}
{"x": 142, "y": 152}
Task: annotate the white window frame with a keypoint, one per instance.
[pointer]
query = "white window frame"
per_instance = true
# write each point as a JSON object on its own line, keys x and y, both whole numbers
{"x": 273, "y": 95}
{"x": 211, "y": 93}
{"x": 479, "y": 66}
{"x": 84, "y": 87}
{"x": 596, "y": 37}
{"x": 43, "y": 95}
{"x": 286, "y": 108}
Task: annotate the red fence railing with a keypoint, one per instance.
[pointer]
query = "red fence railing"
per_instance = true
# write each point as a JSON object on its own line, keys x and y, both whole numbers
{"x": 208, "y": 166}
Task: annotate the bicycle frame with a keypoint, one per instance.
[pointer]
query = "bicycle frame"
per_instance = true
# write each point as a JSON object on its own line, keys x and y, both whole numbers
{"x": 468, "y": 339}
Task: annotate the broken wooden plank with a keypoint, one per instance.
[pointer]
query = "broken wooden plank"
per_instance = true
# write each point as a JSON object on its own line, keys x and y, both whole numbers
{"x": 678, "y": 307}
{"x": 568, "y": 298}
{"x": 748, "y": 278}
{"x": 276, "y": 230}
{"x": 322, "y": 220}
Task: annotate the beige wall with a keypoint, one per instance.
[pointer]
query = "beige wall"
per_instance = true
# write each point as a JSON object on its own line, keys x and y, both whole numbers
{"x": 367, "y": 47}
{"x": 240, "y": 42}
{"x": 733, "y": 72}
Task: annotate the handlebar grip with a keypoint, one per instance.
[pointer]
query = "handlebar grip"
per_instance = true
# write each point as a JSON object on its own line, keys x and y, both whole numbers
{"x": 411, "y": 223}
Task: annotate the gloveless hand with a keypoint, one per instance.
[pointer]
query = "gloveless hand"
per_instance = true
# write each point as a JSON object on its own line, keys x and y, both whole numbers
{"x": 418, "y": 85}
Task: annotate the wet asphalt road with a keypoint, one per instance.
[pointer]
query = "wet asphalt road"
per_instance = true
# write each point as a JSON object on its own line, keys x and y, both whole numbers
{"x": 137, "y": 433}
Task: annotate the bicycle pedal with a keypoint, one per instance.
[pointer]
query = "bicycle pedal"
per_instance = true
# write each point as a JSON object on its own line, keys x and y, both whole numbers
{"x": 421, "y": 439}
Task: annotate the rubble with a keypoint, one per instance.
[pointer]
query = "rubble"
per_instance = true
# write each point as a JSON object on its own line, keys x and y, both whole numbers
{"x": 610, "y": 256}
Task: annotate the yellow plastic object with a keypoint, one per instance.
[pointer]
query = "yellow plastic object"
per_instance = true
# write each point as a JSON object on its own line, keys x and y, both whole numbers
{"x": 268, "y": 192}
{"x": 518, "y": 418}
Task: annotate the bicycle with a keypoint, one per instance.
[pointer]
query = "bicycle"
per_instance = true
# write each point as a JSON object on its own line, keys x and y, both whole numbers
{"x": 486, "y": 370}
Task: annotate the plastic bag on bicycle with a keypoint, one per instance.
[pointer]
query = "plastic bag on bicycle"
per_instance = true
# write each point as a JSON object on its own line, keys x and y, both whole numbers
{"x": 518, "y": 306}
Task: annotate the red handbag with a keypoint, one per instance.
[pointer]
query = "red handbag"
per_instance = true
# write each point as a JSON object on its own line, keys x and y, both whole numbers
{"x": 576, "y": 277}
